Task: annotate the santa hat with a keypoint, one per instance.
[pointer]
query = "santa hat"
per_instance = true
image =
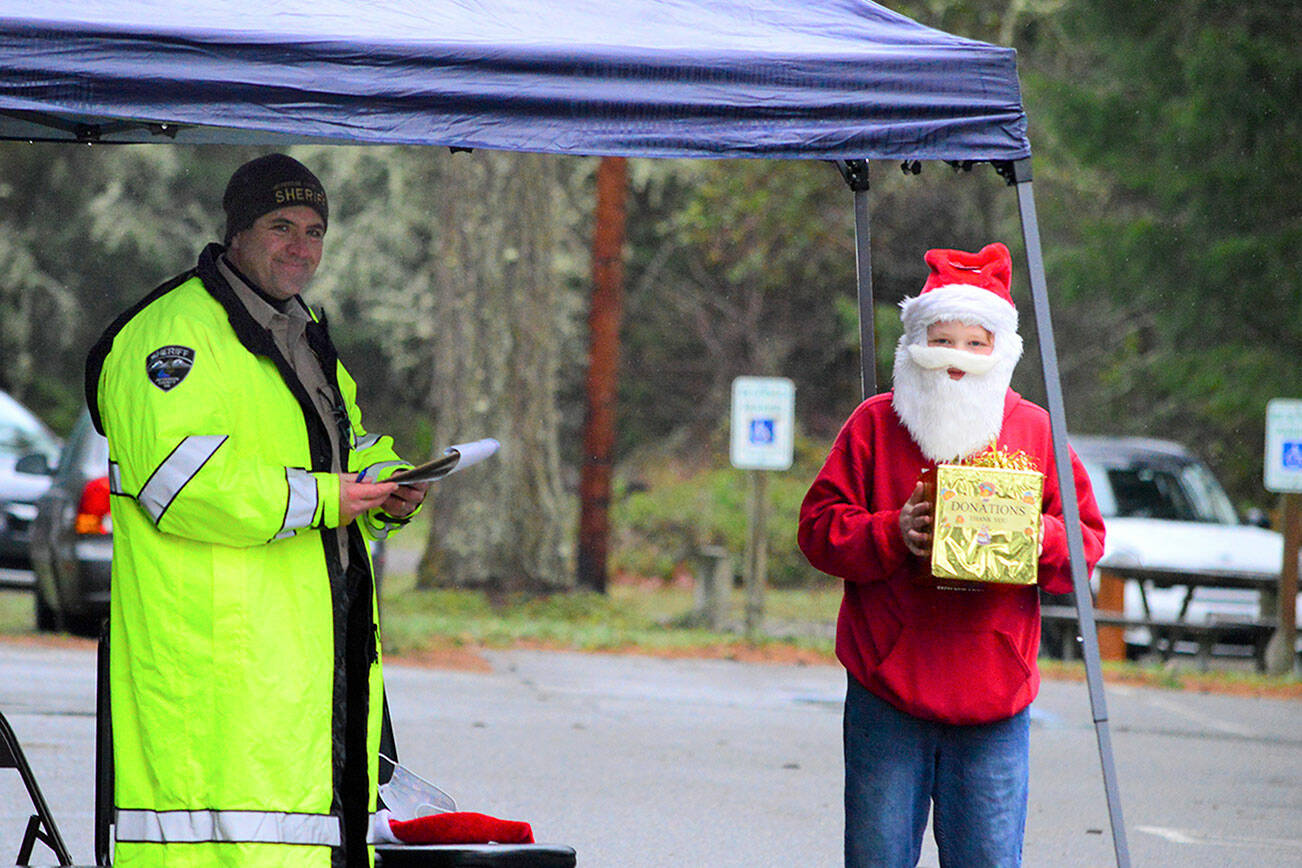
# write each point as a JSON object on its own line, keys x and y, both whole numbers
{"x": 968, "y": 287}
{"x": 452, "y": 827}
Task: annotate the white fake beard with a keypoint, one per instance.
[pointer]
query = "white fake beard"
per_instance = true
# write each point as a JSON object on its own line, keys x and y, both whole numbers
{"x": 951, "y": 419}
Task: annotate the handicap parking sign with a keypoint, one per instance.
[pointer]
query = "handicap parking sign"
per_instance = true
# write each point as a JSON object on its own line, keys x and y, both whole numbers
{"x": 763, "y": 422}
{"x": 1283, "y": 470}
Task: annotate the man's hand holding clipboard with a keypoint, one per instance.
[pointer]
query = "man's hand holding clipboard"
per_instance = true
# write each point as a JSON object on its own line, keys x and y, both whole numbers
{"x": 454, "y": 458}
{"x": 400, "y": 494}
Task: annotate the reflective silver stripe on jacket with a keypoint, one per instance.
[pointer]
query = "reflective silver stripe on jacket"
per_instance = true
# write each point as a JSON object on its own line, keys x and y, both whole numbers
{"x": 115, "y": 478}
{"x": 366, "y": 442}
{"x": 176, "y": 471}
{"x": 196, "y": 827}
{"x": 301, "y": 507}
{"x": 372, "y": 473}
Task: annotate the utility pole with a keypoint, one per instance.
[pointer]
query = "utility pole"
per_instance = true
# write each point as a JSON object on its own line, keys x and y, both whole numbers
{"x": 604, "y": 315}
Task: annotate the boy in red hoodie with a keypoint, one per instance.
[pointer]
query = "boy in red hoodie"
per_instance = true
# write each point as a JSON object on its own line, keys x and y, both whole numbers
{"x": 940, "y": 680}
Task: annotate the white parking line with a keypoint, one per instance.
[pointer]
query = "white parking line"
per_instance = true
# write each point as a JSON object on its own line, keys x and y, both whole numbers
{"x": 1182, "y": 836}
{"x": 1200, "y": 718}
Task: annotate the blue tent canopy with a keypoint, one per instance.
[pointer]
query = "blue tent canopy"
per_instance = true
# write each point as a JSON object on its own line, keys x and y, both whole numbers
{"x": 833, "y": 79}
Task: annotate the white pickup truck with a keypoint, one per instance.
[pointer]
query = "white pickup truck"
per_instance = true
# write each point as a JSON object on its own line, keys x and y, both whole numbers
{"x": 1165, "y": 511}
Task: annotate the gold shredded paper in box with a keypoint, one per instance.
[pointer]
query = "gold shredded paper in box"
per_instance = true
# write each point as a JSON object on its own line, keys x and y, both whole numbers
{"x": 987, "y": 519}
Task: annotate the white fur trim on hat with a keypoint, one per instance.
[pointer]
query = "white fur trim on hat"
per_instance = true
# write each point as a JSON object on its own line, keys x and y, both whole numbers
{"x": 957, "y": 301}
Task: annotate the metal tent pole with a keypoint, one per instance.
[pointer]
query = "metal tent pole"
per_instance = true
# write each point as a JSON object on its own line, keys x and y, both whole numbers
{"x": 1019, "y": 174}
{"x": 855, "y": 173}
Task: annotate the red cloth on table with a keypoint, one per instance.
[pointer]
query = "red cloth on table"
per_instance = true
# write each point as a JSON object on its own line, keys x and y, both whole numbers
{"x": 461, "y": 827}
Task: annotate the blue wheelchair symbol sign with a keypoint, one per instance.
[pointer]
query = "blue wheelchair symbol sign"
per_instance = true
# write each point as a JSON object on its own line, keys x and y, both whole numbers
{"x": 762, "y": 432}
{"x": 1292, "y": 457}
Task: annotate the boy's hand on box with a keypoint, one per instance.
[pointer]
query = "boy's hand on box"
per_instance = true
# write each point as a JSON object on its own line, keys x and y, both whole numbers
{"x": 915, "y": 522}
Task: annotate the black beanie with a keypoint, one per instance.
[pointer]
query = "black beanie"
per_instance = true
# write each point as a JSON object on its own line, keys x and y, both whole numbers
{"x": 263, "y": 185}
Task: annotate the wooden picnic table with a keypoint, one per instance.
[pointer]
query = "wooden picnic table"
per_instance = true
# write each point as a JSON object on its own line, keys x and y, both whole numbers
{"x": 1265, "y": 585}
{"x": 1167, "y": 632}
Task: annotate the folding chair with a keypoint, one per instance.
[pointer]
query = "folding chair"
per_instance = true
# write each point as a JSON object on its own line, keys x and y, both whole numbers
{"x": 387, "y": 855}
{"x": 103, "y": 754}
{"x": 41, "y": 826}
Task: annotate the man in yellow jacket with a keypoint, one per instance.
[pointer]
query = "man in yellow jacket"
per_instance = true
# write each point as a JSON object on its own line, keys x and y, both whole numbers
{"x": 245, "y": 668}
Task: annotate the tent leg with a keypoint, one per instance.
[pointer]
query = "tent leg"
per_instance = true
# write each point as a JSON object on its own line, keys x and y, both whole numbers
{"x": 1021, "y": 176}
{"x": 863, "y": 265}
{"x": 855, "y": 173}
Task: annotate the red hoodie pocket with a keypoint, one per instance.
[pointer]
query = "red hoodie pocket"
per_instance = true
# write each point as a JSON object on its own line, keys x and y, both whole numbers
{"x": 956, "y": 676}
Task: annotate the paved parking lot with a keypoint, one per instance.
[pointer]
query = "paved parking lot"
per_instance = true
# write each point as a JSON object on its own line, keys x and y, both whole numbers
{"x": 643, "y": 762}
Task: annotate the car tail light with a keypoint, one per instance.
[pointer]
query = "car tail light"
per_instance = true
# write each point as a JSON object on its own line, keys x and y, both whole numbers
{"x": 93, "y": 511}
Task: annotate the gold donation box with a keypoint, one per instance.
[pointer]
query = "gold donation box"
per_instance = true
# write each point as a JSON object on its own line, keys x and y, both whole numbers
{"x": 986, "y": 524}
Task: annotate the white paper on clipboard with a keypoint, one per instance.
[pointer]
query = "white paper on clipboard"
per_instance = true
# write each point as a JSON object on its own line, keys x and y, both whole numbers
{"x": 454, "y": 458}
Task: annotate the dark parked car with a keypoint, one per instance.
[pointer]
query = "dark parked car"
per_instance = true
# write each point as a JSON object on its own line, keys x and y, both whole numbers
{"x": 72, "y": 537}
{"x": 21, "y": 435}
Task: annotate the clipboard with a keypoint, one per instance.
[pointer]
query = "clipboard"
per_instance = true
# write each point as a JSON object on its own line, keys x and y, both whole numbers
{"x": 454, "y": 458}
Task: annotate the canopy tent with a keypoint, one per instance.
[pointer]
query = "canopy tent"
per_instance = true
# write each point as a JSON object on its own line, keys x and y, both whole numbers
{"x": 730, "y": 78}
{"x": 840, "y": 80}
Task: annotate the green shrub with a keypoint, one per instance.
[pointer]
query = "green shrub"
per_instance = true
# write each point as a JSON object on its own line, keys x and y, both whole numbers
{"x": 659, "y": 528}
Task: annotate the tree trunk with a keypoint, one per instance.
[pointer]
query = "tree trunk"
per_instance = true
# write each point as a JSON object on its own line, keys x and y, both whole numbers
{"x": 502, "y": 525}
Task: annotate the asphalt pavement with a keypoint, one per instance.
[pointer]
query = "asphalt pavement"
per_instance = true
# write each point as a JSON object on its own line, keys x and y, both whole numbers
{"x": 646, "y": 762}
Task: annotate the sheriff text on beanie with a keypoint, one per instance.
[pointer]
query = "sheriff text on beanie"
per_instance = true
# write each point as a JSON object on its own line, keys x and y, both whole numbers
{"x": 263, "y": 185}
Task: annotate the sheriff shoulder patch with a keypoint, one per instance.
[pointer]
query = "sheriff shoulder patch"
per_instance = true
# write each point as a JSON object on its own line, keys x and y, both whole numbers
{"x": 167, "y": 366}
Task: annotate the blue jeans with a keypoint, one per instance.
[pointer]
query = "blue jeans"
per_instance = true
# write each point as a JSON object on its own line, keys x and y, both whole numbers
{"x": 896, "y": 765}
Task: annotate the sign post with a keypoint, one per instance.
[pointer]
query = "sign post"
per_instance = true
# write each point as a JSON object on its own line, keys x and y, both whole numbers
{"x": 762, "y": 438}
{"x": 1283, "y": 474}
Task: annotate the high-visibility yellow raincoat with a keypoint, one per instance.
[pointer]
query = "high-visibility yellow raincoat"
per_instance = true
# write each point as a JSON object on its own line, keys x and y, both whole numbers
{"x": 245, "y": 667}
